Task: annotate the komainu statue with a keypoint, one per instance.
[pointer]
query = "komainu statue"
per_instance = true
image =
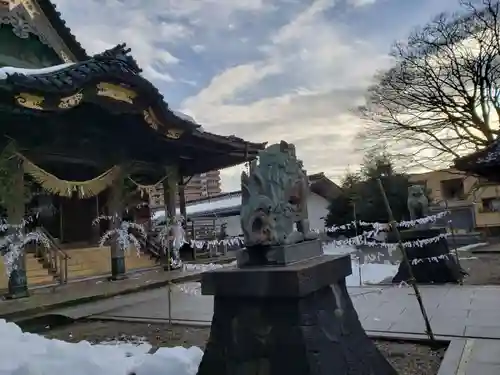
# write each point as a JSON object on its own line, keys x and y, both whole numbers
{"x": 418, "y": 204}
{"x": 274, "y": 199}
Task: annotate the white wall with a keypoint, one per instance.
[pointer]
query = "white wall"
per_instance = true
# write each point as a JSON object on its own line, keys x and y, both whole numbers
{"x": 318, "y": 210}
{"x": 233, "y": 225}
{"x": 316, "y": 205}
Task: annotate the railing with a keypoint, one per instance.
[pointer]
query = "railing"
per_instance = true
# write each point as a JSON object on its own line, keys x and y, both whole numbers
{"x": 54, "y": 258}
{"x": 152, "y": 246}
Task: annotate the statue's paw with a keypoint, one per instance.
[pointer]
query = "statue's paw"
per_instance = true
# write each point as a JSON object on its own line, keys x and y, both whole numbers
{"x": 311, "y": 235}
{"x": 294, "y": 237}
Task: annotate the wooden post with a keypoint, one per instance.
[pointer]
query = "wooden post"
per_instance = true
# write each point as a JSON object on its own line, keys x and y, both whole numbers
{"x": 170, "y": 201}
{"x": 394, "y": 226}
{"x": 96, "y": 227}
{"x": 116, "y": 206}
{"x": 18, "y": 283}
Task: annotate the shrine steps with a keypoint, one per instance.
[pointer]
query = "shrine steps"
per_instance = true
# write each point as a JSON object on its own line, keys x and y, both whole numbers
{"x": 96, "y": 261}
{"x": 35, "y": 272}
{"x": 82, "y": 263}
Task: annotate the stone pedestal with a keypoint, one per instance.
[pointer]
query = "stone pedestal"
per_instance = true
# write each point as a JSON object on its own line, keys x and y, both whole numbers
{"x": 442, "y": 268}
{"x": 18, "y": 283}
{"x": 118, "y": 269}
{"x": 279, "y": 255}
{"x": 295, "y": 320}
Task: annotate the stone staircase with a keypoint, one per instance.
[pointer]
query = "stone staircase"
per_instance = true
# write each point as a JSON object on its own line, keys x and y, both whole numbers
{"x": 95, "y": 261}
{"x": 35, "y": 272}
{"x": 82, "y": 263}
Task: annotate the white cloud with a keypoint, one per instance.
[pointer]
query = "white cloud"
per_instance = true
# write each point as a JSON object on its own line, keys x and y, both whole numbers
{"x": 325, "y": 73}
{"x": 150, "y": 27}
{"x": 307, "y": 75}
{"x": 360, "y": 3}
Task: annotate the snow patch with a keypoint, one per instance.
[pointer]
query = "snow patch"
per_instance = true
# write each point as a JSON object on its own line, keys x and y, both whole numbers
{"x": 362, "y": 274}
{"x": 9, "y": 70}
{"x": 30, "y": 354}
{"x": 209, "y": 205}
{"x": 471, "y": 246}
{"x": 183, "y": 116}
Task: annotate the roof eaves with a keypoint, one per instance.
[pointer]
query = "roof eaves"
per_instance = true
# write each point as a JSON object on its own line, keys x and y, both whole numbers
{"x": 64, "y": 32}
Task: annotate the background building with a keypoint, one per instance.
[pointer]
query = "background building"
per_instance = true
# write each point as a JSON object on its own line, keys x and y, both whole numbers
{"x": 474, "y": 202}
{"x": 200, "y": 186}
{"x": 206, "y": 215}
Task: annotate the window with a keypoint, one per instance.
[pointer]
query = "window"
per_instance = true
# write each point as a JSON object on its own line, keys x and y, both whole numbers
{"x": 491, "y": 204}
{"x": 452, "y": 189}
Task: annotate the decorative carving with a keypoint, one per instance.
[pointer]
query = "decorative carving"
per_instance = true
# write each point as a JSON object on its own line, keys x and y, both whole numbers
{"x": 21, "y": 27}
{"x": 274, "y": 198}
{"x": 71, "y": 101}
{"x": 116, "y": 92}
{"x": 30, "y": 101}
{"x": 150, "y": 118}
{"x": 173, "y": 133}
{"x": 65, "y": 57}
{"x": 30, "y": 8}
{"x": 25, "y": 20}
{"x": 418, "y": 204}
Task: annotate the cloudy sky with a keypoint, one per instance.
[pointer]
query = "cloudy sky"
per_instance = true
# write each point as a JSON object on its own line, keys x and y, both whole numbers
{"x": 263, "y": 70}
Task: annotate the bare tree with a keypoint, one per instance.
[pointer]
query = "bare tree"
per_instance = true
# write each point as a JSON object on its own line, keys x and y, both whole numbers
{"x": 440, "y": 100}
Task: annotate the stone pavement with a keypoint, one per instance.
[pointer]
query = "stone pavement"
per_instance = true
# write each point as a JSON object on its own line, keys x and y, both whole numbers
{"x": 468, "y": 316}
{"x": 454, "y": 311}
{"x": 45, "y": 299}
{"x": 471, "y": 357}
{"x": 460, "y": 311}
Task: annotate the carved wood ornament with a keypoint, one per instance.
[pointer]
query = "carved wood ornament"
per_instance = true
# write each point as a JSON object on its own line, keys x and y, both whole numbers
{"x": 26, "y": 19}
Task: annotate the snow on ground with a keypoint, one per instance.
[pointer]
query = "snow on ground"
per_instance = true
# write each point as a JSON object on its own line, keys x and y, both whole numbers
{"x": 472, "y": 246}
{"x": 362, "y": 274}
{"x": 30, "y": 354}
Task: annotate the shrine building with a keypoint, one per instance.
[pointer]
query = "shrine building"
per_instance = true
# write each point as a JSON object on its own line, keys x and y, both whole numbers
{"x": 83, "y": 134}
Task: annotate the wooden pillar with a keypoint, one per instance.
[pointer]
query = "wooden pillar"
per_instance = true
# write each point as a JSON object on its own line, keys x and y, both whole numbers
{"x": 15, "y": 206}
{"x": 116, "y": 206}
{"x": 170, "y": 202}
{"x": 96, "y": 227}
{"x": 182, "y": 208}
{"x": 182, "y": 200}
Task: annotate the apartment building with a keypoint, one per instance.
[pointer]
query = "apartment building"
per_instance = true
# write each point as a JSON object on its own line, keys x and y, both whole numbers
{"x": 474, "y": 197}
{"x": 200, "y": 186}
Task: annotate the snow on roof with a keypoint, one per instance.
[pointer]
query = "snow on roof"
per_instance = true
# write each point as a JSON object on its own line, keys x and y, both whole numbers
{"x": 211, "y": 205}
{"x": 9, "y": 70}
{"x": 183, "y": 116}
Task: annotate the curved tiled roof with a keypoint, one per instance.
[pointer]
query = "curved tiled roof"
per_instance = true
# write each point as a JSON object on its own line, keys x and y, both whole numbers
{"x": 112, "y": 65}
{"x": 64, "y": 32}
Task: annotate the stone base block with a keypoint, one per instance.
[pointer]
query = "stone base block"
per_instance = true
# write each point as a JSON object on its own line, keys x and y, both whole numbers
{"x": 307, "y": 328}
{"x": 18, "y": 284}
{"x": 279, "y": 255}
{"x": 442, "y": 268}
{"x": 118, "y": 270}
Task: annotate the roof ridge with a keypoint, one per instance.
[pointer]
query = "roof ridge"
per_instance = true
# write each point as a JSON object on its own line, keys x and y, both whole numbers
{"x": 50, "y": 11}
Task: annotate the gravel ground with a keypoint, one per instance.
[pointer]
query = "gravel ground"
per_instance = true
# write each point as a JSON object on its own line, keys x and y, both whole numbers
{"x": 483, "y": 269}
{"x": 407, "y": 358}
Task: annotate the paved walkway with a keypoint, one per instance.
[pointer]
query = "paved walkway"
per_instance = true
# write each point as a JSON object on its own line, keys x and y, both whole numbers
{"x": 454, "y": 311}
{"x": 471, "y": 357}
{"x": 85, "y": 291}
{"x": 468, "y": 316}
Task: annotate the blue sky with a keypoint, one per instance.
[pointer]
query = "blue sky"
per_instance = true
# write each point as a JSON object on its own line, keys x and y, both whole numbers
{"x": 264, "y": 70}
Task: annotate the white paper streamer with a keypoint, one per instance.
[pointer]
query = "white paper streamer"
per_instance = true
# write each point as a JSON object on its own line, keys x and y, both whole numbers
{"x": 12, "y": 245}
{"x": 362, "y": 240}
{"x": 124, "y": 234}
{"x": 434, "y": 259}
{"x": 385, "y": 226}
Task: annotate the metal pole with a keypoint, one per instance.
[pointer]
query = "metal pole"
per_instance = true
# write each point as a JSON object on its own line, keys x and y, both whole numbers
{"x": 356, "y": 234}
{"x": 169, "y": 283}
{"x": 453, "y": 240}
{"x": 412, "y": 281}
